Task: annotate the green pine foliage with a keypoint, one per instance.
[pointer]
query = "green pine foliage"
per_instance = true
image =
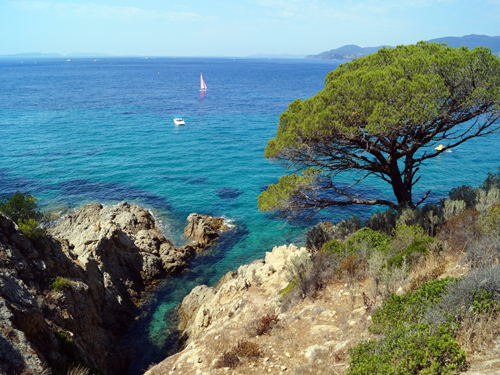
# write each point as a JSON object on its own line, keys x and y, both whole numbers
{"x": 21, "y": 207}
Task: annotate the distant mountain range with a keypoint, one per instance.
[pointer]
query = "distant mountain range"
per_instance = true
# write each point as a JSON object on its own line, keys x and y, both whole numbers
{"x": 352, "y": 51}
{"x": 39, "y": 55}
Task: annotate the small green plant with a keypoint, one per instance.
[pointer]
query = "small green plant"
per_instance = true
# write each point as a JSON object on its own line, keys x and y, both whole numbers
{"x": 283, "y": 293}
{"x": 73, "y": 363}
{"x": 60, "y": 284}
{"x": 32, "y": 230}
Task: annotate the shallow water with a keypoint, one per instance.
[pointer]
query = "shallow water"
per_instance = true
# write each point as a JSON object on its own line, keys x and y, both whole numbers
{"x": 81, "y": 132}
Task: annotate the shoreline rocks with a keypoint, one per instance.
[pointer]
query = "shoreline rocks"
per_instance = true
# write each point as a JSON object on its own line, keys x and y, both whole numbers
{"x": 107, "y": 257}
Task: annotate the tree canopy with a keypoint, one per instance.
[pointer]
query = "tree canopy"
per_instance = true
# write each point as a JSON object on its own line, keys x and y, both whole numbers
{"x": 381, "y": 115}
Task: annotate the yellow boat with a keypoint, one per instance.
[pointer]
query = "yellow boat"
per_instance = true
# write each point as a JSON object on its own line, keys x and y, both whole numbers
{"x": 439, "y": 148}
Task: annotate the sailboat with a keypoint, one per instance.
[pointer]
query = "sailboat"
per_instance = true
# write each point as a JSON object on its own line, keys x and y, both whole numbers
{"x": 203, "y": 84}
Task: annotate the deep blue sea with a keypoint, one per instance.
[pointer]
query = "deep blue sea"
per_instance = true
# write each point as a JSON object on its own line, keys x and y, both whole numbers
{"x": 81, "y": 132}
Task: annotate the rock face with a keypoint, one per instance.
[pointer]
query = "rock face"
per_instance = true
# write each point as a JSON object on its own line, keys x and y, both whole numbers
{"x": 200, "y": 307}
{"x": 108, "y": 257}
{"x": 204, "y": 229}
{"x": 214, "y": 319}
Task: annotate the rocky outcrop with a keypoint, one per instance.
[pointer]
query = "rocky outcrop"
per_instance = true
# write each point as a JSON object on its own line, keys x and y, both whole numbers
{"x": 204, "y": 304}
{"x": 311, "y": 337}
{"x": 204, "y": 229}
{"x": 106, "y": 258}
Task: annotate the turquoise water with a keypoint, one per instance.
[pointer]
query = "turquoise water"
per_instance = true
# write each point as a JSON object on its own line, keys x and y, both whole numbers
{"x": 81, "y": 132}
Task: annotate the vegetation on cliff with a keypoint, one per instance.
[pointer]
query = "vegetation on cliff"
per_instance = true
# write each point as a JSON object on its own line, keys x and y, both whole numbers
{"x": 432, "y": 323}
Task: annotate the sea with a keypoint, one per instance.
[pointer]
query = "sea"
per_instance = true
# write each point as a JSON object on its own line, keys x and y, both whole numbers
{"x": 84, "y": 131}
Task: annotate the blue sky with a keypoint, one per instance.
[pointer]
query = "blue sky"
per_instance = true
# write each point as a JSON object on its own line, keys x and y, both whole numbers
{"x": 234, "y": 27}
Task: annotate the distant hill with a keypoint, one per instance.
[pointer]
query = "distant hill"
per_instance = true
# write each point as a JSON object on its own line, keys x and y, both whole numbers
{"x": 34, "y": 55}
{"x": 472, "y": 41}
{"x": 348, "y": 52}
{"x": 352, "y": 51}
{"x": 39, "y": 55}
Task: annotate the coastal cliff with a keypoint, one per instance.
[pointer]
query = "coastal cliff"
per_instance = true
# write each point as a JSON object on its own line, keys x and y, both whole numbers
{"x": 244, "y": 307}
{"x": 67, "y": 300}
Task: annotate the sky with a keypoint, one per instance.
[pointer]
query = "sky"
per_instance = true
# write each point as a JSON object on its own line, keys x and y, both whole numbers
{"x": 234, "y": 28}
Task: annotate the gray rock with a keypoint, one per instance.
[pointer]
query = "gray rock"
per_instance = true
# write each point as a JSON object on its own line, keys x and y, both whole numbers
{"x": 110, "y": 255}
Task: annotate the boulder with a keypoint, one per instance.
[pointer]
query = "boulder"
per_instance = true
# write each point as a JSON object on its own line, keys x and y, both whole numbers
{"x": 204, "y": 229}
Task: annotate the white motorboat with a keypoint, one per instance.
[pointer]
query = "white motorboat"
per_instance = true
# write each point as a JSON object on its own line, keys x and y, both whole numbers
{"x": 179, "y": 121}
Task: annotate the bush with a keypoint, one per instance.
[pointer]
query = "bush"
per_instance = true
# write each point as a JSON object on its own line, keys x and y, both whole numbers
{"x": 410, "y": 345}
{"x": 60, "y": 284}
{"x": 453, "y": 208}
{"x": 262, "y": 325}
{"x": 227, "y": 359}
{"x": 32, "y": 230}
{"x": 487, "y": 199}
{"x": 409, "y": 351}
{"x": 410, "y": 307}
{"x": 383, "y": 221}
{"x": 412, "y": 253}
{"x": 370, "y": 238}
{"x": 21, "y": 207}
{"x": 334, "y": 247}
{"x": 348, "y": 226}
{"x": 489, "y": 224}
{"x": 247, "y": 349}
{"x": 461, "y": 230}
{"x": 306, "y": 276}
{"x": 492, "y": 181}
{"x": 477, "y": 292}
{"x": 464, "y": 193}
{"x": 318, "y": 235}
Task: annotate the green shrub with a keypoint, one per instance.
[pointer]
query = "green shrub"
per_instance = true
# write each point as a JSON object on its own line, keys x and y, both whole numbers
{"x": 32, "y": 230}
{"x": 464, "y": 193}
{"x": 417, "y": 247}
{"x": 383, "y": 221}
{"x": 348, "y": 226}
{"x": 406, "y": 234}
{"x": 286, "y": 290}
{"x": 410, "y": 307}
{"x": 318, "y": 235}
{"x": 21, "y": 207}
{"x": 410, "y": 345}
{"x": 369, "y": 237}
{"x": 489, "y": 224}
{"x": 334, "y": 247}
{"x": 60, "y": 284}
{"x": 409, "y": 351}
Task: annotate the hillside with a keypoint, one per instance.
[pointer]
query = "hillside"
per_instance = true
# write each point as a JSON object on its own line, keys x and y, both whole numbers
{"x": 352, "y": 51}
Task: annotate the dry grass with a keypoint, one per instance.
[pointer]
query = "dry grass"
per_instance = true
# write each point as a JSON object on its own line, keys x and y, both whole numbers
{"x": 428, "y": 268}
{"x": 78, "y": 370}
{"x": 479, "y": 333}
{"x": 323, "y": 362}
